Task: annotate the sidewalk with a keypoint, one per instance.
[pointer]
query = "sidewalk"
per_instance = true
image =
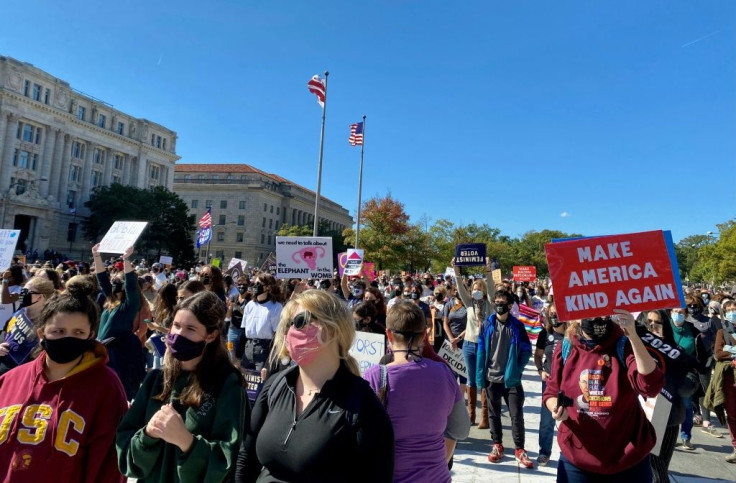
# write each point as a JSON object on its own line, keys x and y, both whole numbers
{"x": 704, "y": 465}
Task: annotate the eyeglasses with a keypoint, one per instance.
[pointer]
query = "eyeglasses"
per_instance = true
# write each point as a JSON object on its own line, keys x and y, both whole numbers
{"x": 654, "y": 322}
{"x": 301, "y": 320}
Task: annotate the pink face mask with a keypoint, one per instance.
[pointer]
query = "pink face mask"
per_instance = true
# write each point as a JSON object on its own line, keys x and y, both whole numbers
{"x": 304, "y": 345}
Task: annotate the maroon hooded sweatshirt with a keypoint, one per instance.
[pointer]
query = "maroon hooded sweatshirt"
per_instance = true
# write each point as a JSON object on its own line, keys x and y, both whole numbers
{"x": 607, "y": 431}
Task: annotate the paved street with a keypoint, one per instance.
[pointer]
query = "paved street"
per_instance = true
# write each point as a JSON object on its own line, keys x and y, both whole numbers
{"x": 705, "y": 464}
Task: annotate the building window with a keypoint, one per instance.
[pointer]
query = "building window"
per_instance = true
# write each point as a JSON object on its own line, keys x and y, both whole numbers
{"x": 80, "y": 112}
{"x": 195, "y": 203}
{"x": 155, "y": 171}
{"x": 101, "y": 120}
{"x": 263, "y": 238}
{"x": 223, "y": 204}
{"x": 238, "y": 255}
{"x": 269, "y": 239}
{"x": 96, "y": 179}
{"x": 201, "y": 178}
{"x": 264, "y": 223}
{"x": 71, "y": 232}
{"x": 71, "y": 198}
{"x": 97, "y": 156}
{"x": 278, "y": 210}
{"x": 47, "y": 96}
{"x": 118, "y": 161}
{"x": 164, "y": 148}
{"x": 34, "y": 162}
{"x": 27, "y": 133}
{"x": 21, "y": 158}
{"x": 27, "y": 88}
{"x": 265, "y": 207}
{"x": 158, "y": 142}
{"x": 241, "y": 220}
{"x": 239, "y": 238}
{"x": 221, "y": 236}
{"x": 37, "y": 137}
{"x": 270, "y": 224}
{"x": 121, "y": 128}
{"x": 271, "y": 208}
{"x": 78, "y": 150}
{"x": 153, "y": 139}
{"x": 37, "y": 92}
{"x": 276, "y": 225}
{"x": 75, "y": 173}
{"x": 215, "y": 177}
{"x": 116, "y": 179}
{"x": 241, "y": 205}
{"x": 220, "y": 254}
{"x": 208, "y": 204}
{"x": 222, "y": 220}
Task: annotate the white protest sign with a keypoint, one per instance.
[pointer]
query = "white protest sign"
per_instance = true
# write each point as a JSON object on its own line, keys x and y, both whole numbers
{"x": 121, "y": 236}
{"x": 657, "y": 410}
{"x": 449, "y": 271}
{"x": 235, "y": 261}
{"x": 353, "y": 262}
{"x": 6, "y": 311}
{"x": 165, "y": 260}
{"x": 368, "y": 349}
{"x": 304, "y": 257}
{"x": 454, "y": 358}
{"x": 8, "y": 240}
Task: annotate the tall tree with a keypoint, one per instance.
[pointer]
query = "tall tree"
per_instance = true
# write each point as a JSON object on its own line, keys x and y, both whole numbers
{"x": 383, "y": 232}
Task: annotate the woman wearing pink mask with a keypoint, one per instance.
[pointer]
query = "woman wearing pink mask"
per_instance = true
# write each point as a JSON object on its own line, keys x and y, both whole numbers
{"x": 317, "y": 420}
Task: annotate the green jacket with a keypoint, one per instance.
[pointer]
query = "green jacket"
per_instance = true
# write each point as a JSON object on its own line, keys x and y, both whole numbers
{"x": 217, "y": 426}
{"x": 715, "y": 395}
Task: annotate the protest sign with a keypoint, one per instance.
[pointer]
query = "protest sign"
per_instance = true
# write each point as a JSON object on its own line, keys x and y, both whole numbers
{"x": 165, "y": 260}
{"x": 8, "y": 241}
{"x": 496, "y": 274}
{"x": 121, "y": 236}
{"x": 158, "y": 344}
{"x": 469, "y": 254}
{"x": 235, "y": 261}
{"x": 253, "y": 383}
{"x": 525, "y": 273}
{"x": 593, "y": 276}
{"x": 369, "y": 270}
{"x": 449, "y": 271}
{"x": 303, "y": 257}
{"x": 368, "y": 349}
{"x": 353, "y": 262}
{"x": 20, "y": 335}
{"x": 657, "y": 410}
{"x": 235, "y": 271}
{"x": 454, "y": 358}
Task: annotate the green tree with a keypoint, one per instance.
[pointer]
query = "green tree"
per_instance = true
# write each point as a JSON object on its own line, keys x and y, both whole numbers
{"x": 383, "y": 232}
{"x": 687, "y": 253}
{"x": 295, "y": 230}
{"x": 170, "y": 227}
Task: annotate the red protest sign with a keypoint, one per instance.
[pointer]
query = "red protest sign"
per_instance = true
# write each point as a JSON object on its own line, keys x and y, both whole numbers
{"x": 525, "y": 274}
{"x": 593, "y": 276}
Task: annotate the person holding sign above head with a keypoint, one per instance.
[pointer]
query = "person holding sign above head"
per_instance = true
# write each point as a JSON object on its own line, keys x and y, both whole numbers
{"x": 608, "y": 437}
{"x": 122, "y": 303}
{"x": 187, "y": 420}
{"x": 61, "y": 410}
{"x": 13, "y": 279}
{"x": 425, "y": 433}
{"x": 260, "y": 320}
{"x": 317, "y": 420}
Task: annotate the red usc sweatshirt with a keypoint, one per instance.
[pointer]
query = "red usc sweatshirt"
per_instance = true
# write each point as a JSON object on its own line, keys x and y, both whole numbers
{"x": 62, "y": 430}
{"x": 607, "y": 431}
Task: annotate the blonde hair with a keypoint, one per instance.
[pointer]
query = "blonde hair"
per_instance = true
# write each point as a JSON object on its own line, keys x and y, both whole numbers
{"x": 42, "y": 285}
{"x": 482, "y": 284}
{"x": 327, "y": 311}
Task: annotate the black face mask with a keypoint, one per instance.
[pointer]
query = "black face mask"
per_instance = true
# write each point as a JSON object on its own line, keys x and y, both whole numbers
{"x": 66, "y": 349}
{"x": 428, "y": 283}
{"x": 242, "y": 289}
{"x": 414, "y": 296}
{"x": 597, "y": 329}
{"x": 555, "y": 321}
{"x": 206, "y": 280}
{"x": 694, "y": 311}
{"x": 27, "y": 299}
{"x": 257, "y": 288}
{"x": 117, "y": 287}
{"x": 502, "y": 309}
{"x": 439, "y": 297}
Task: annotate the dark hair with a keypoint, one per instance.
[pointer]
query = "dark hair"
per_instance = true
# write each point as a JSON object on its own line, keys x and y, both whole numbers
{"x": 228, "y": 281}
{"x": 164, "y": 305}
{"x": 365, "y": 310}
{"x": 194, "y": 286}
{"x": 214, "y": 367}
{"x": 667, "y": 333}
{"x": 16, "y": 275}
{"x": 216, "y": 281}
{"x": 75, "y": 299}
{"x": 52, "y": 275}
{"x": 271, "y": 286}
{"x": 508, "y": 296}
{"x": 547, "y": 322}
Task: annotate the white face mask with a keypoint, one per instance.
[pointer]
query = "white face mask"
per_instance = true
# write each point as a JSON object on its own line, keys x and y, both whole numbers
{"x": 477, "y": 294}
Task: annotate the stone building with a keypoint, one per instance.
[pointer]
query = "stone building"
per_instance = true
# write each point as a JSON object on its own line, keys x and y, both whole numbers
{"x": 56, "y": 145}
{"x": 248, "y": 207}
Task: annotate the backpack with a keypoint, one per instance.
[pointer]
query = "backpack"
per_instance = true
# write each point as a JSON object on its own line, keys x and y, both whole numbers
{"x": 352, "y": 411}
{"x": 620, "y": 345}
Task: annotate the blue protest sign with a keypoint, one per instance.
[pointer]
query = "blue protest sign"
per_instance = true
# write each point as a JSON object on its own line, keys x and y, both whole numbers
{"x": 469, "y": 254}
{"x": 20, "y": 336}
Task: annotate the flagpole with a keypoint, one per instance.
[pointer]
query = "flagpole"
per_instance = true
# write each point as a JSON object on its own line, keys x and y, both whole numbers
{"x": 321, "y": 150}
{"x": 360, "y": 187}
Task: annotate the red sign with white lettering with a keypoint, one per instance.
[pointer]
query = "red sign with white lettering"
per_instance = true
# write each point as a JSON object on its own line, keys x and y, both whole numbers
{"x": 593, "y": 276}
{"x": 525, "y": 274}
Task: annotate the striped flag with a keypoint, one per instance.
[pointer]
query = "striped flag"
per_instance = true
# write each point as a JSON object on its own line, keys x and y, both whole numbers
{"x": 317, "y": 87}
{"x": 206, "y": 220}
{"x": 531, "y": 319}
{"x": 356, "y": 134}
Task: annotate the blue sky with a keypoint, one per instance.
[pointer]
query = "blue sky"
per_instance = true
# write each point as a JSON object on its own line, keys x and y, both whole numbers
{"x": 620, "y": 115}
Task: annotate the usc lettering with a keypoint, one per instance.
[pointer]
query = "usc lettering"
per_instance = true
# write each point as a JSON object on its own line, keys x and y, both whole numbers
{"x": 35, "y": 423}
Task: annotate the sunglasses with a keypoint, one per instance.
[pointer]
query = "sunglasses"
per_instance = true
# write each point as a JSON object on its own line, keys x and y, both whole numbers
{"x": 654, "y": 322}
{"x": 301, "y": 320}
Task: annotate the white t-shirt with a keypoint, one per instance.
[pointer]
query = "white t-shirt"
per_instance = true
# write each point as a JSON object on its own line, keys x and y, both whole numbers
{"x": 260, "y": 321}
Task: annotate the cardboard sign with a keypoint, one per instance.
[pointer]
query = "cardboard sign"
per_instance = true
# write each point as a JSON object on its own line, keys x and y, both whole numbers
{"x": 593, "y": 276}
{"x": 303, "y": 257}
{"x": 159, "y": 346}
{"x": 235, "y": 261}
{"x": 235, "y": 271}
{"x": 657, "y": 410}
{"x": 8, "y": 241}
{"x": 121, "y": 236}
{"x": 497, "y": 277}
{"x": 20, "y": 336}
{"x": 525, "y": 273}
{"x": 368, "y": 349}
{"x": 454, "y": 358}
{"x": 253, "y": 383}
{"x": 165, "y": 260}
{"x": 353, "y": 262}
{"x": 469, "y": 254}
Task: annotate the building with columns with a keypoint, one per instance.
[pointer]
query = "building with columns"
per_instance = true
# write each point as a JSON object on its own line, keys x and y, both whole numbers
{"x": 249, "y": 206}
{"x": 57, "y": 145}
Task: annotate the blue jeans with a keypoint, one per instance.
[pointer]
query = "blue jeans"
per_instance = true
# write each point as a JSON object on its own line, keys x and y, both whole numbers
{"x": 639, "y": 473}
{"x": 546, "y": 429}
{"x": 686, "y": 430}
{"x": 470, "y": 355}
{"x": 234, "y": 335}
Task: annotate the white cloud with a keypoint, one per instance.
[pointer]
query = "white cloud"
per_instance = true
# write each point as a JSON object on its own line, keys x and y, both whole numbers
{"x": 564, "y": 214}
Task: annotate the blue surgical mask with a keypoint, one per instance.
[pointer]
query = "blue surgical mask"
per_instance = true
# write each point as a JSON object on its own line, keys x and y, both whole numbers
{"x": 731, "y": 317}
{"x": 678, "y": 319}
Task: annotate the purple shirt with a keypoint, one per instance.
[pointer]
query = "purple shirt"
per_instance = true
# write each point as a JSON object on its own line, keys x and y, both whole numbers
{"x": 420, "y": 398}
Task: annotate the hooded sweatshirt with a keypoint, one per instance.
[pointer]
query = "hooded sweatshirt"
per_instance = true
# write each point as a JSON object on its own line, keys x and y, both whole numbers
{"x": 61, "y": 430}
{"x": 607, "y": 431}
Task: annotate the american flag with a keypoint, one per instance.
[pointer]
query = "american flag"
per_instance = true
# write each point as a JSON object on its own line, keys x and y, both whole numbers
{"x": 356, "y": 134}
{"x": 317, "y": 87}
{"x": 206, "y": 220}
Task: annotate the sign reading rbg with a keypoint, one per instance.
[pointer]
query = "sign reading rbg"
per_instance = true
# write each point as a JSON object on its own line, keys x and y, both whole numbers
{"x": 593, "y": 276}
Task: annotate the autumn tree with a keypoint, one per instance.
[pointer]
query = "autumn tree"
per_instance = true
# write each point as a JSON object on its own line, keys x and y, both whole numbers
{"x": 383, "y": 232}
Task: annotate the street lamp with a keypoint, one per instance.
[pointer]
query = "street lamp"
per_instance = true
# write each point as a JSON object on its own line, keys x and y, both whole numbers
{"x": 16, "y": 184}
